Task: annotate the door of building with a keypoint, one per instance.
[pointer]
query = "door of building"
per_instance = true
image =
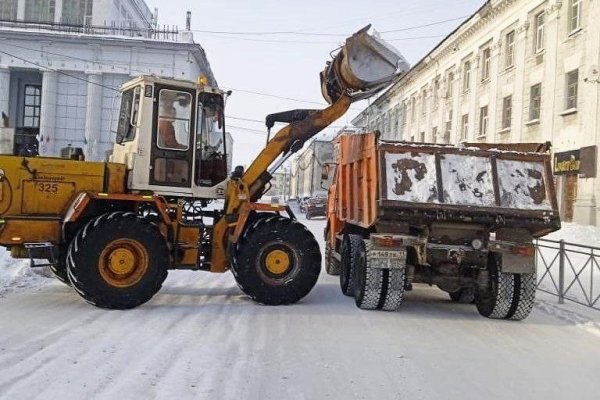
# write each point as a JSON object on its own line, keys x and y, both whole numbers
{"x": 568, "y": 188}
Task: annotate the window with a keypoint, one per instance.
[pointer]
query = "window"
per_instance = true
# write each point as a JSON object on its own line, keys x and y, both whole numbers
{"x": 422, "y": 137}
{"x": 535, "y": 102}
{"x": 574, "y": 15}
{"x": 572, "y": 80}
{"x": 538, "y": 40}
{"x": 211, "y": 152}
{"x": 466, "y": 76}
{"x": 465, "y": 127}
{"x": 403, "y": 114}
{"x": 128, "y": 115}
{"x": 77, "y": 12}
{"x": 8, "y": 10}
{"x": 507, "y": 112}
{"x": 424, "y": 102}
{"x": 509, "y": 56}
{"x": 449, "y": 85}
{"x": 40, "y": 10}
{"x": 434, "y": 133}
{"x": 483, "y": 121}
{"x": 32, "y": 106}
{"x": 486, "y": 57}
{"x": 413, "y": 109}
{"x": 436, "y": 92}
{"x": 174, "y": 114}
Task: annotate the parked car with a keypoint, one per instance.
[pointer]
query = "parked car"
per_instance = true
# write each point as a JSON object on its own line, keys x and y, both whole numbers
{"x": 302, "y": 203}
{"x": 315, "y": 207}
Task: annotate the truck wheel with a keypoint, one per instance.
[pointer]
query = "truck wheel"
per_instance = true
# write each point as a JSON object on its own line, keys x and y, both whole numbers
{"x": 376, "y": 288}
{"x": 463, "y": 296}
{"x": 350, "y": 252}
{"x": 332, "y": 266}
{"x": 496, "y": 302}
{"x": 524, "y": 296}
{"x": 277, "y": 261}
{"x": 118, "y": 261}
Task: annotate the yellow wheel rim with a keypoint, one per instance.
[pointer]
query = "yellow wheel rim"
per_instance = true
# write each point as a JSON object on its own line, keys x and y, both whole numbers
{"x": 277, "y": 262}
{"x": 123, "y": 263}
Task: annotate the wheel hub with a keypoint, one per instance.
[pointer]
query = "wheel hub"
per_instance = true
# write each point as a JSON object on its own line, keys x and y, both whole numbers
{"x": 123, "y": 262}
{"x": 277, "y": 262}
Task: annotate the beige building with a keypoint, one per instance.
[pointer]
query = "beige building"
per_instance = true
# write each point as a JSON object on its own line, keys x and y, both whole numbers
{"x": 515, "y": 71}
{"x": 305, "y": 177}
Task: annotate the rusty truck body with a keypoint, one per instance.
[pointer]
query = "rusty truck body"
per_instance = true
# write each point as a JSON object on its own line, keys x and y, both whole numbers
{"x": 462, "y": 218}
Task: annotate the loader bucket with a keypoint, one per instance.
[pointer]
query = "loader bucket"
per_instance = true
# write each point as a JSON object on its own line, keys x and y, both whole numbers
{"x": 364, "y": 65}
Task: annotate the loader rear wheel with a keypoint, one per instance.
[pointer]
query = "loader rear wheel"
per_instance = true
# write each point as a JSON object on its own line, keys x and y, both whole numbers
{"x": 118, "y": 261}
{"x": 496, "y": 301}
{"x": 351, "y": 245}
{"x": 60, "y": 273}
{"x": 277, "y": 261}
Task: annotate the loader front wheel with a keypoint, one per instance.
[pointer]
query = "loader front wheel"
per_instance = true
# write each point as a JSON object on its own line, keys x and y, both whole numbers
{"x": 277, "y": 261}
{"x": 118, "y": 261}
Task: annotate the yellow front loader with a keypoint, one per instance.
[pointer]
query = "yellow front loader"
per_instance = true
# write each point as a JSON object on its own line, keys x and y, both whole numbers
{"x": 113, "y": 229}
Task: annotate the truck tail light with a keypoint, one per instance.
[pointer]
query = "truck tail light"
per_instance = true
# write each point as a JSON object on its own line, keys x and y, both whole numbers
{"x": 524, "y": 251}
{"x": 386, "y": 241}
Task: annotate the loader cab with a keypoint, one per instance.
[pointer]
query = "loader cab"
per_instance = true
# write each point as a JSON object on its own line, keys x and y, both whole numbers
{"x": 171, "y": 134}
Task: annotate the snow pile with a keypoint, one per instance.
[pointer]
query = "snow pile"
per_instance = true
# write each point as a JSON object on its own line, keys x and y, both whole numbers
{"x": 522, "y": 185}
{"x": 467, "y": 180}
{"x": 17, "y": 274}
{"x": 569, "y": 316}
{"x": 411, "y": 177}
{"x": 587, "y": 235}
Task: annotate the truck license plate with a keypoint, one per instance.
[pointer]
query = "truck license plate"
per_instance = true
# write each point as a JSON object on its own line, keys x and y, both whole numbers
{"x": 393, "y": 255}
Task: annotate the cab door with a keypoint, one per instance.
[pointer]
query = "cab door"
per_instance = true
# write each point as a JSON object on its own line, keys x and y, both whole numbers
{"x": 172, "y": 147}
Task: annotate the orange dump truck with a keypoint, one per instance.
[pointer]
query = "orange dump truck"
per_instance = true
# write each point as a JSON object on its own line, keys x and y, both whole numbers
{"x": 460, "y": 218}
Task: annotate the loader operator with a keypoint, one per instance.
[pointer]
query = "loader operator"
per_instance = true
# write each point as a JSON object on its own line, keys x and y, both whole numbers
{"x": 169, "y": 120}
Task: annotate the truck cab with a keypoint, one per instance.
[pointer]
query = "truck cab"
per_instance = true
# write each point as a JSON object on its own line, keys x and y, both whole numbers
{"x": 171, "y": 135}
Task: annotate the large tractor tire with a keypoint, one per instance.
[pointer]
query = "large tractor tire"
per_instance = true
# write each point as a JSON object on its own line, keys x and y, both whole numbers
{"x": 497, "y": 301}
{"x": 277, "y": 261}
{"x": 118, "y": 261}
{"x": 59, "y": 270}
{"x": 60, "y": 273}
{"x": 350, "y": 251}
{"x": 376, "y": 288}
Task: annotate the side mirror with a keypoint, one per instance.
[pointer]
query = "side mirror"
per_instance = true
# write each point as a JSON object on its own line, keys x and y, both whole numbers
{"x": 325, "y": 172}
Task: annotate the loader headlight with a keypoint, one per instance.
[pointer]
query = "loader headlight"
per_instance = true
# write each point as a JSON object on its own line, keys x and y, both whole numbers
{"x": 477, "y": 244}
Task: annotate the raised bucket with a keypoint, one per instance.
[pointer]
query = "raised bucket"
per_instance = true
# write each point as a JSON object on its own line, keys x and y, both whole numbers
{"x": 365, "y": 65}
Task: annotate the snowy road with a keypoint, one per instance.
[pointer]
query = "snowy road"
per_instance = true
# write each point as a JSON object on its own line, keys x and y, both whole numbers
{"x": 201, "y": 338}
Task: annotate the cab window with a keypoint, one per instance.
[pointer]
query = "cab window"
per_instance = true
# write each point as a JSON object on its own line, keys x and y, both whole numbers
{"x": 174, "y": 117}
{"x": 128, "y": 114}
{"x": 211, "y": 159}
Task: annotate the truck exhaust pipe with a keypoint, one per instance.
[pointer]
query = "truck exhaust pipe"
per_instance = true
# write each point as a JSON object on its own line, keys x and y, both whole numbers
{"x": 364, "y": 66}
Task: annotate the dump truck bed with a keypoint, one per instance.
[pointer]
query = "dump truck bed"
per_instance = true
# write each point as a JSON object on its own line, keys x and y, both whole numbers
{"x": 427, "y": 183}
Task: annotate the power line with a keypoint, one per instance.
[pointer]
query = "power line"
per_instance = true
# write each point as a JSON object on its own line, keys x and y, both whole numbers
{"x": 300, "y": 33}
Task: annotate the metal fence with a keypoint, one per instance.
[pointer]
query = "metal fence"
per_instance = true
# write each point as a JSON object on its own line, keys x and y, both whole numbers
{"x": 569, "y": 271}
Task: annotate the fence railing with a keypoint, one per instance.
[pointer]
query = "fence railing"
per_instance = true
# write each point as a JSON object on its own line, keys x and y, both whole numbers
{"x": 569, "y": 271}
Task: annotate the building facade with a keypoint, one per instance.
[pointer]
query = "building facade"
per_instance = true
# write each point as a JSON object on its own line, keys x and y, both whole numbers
{"x": 515, "y": 71}
{"x": 62, "y": 62}
{"x": 307, "y": 168}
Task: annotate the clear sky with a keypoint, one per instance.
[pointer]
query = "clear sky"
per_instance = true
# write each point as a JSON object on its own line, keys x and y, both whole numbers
{"x": 288, "y": 65}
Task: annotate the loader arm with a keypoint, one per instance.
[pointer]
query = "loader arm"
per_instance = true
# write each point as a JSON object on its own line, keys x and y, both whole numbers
{"x": 362, "y": 67}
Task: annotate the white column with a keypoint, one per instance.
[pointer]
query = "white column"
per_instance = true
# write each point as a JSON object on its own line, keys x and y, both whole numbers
{"x": 48, "y": 144}
{"x": 58, "y": 7}
{"x": 93, "y": 116}
{"x": 4, "y": 90}
{"x": 21, "y": 10}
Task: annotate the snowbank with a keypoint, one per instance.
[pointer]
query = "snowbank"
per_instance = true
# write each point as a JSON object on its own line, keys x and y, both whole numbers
{"x": 16, "y": 274}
